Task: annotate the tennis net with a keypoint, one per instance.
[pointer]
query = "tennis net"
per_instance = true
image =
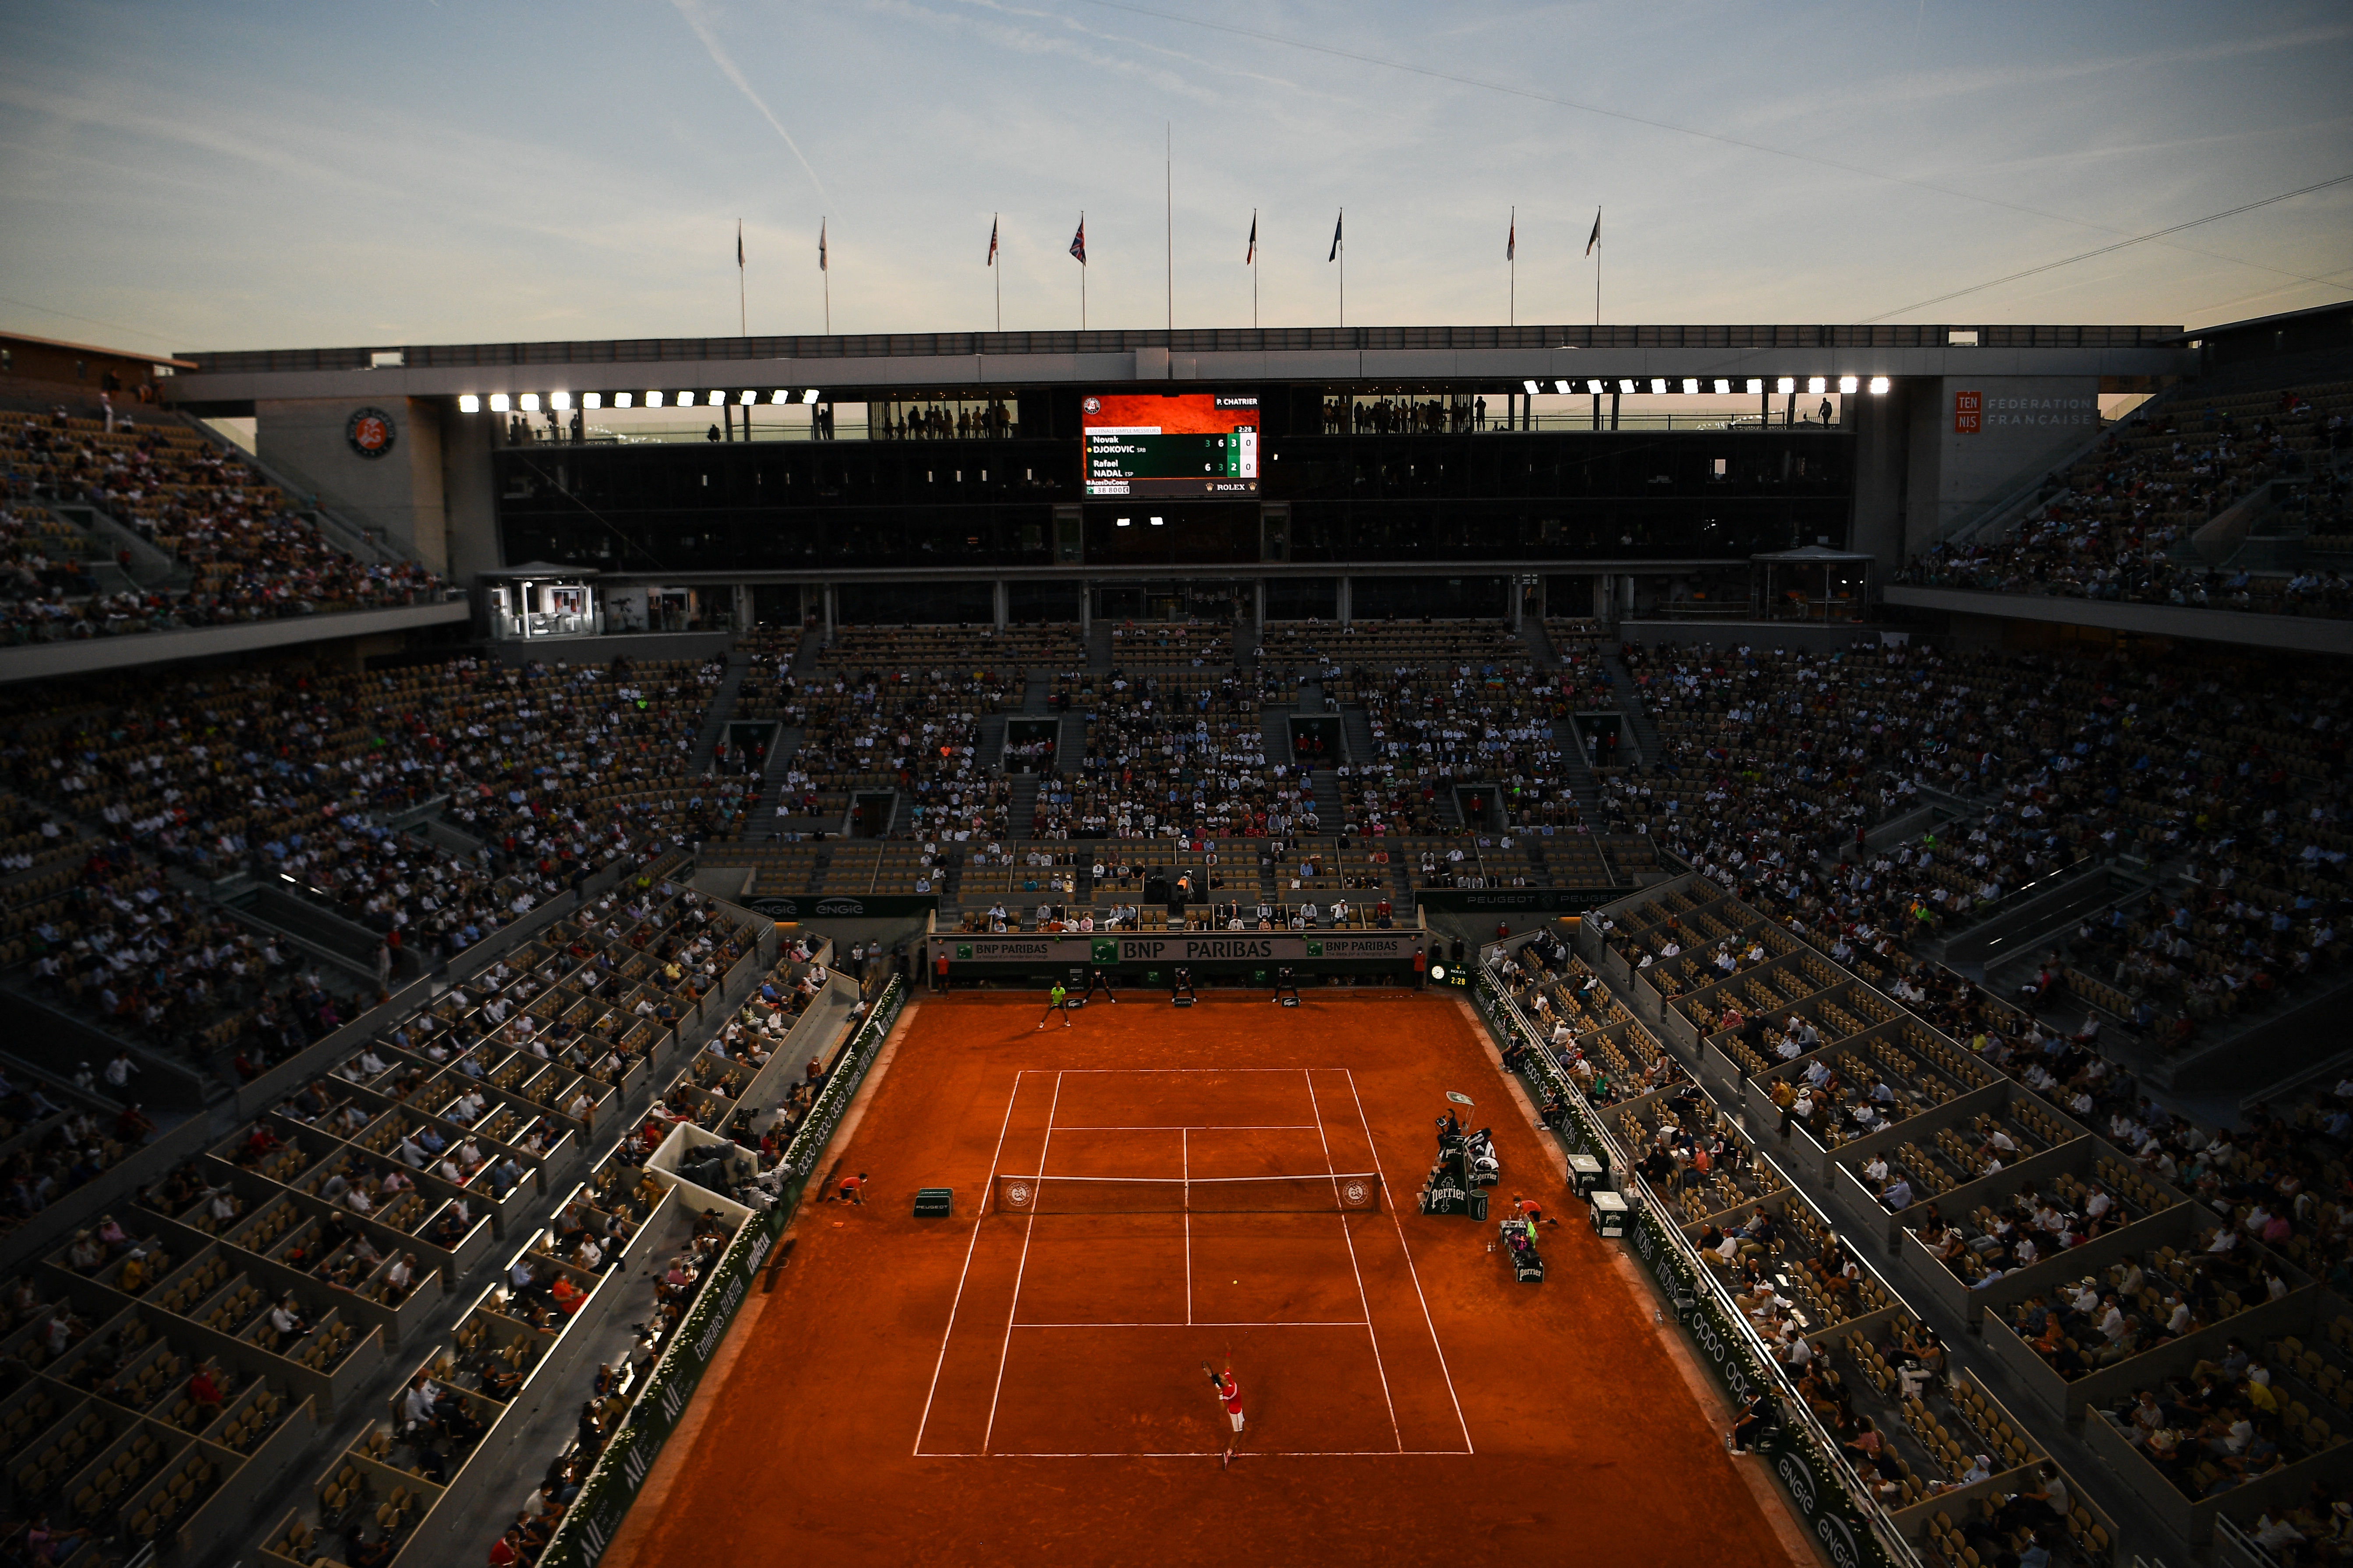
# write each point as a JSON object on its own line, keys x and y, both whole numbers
{"x": 1346, "y": 1192}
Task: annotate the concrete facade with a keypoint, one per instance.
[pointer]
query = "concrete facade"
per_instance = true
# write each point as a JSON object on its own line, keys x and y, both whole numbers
{"x": 1973, "y": 438}
{"x": 1882, "y": 487}
{"x": 398, "y": 495}
{"x": 366, "y": 631}
{"x": 1977, "y": 619}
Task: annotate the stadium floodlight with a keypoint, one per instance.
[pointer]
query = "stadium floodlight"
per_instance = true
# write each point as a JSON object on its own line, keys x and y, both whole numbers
{"x": 1722, "y": 386}
{"x": 499, "y": 403}
{"x": 1816, "y": 387}
{"x": 780, "y": 397}
{"x": 469, "y": 404}
{"x": 1562, "y": 388}
{"x": 1124, "y": 522}
{"x": 748, "y": 397}
{"x": 1879, "y": 386}
{"x": 1658, "y": 384}
{"x": 1786, "y": 383}
{"x": 1755, "y": 383}
{"x": 530, "y": 402}
{"x": 559, "y": 401}
{"x": 715, "y": 398}
{"x": 653, "y": 399}
{"x": 1156, "y": 523}
{"x": 1847, "y": 383}
{"x": 1691, "y": 386}
{"x": 623, "y": 399}
{"x": 809, "y": 397}
{"x": 1630, "y": 385}
{"x": 1531, "y": 386}
{"x": 592, "y": 400}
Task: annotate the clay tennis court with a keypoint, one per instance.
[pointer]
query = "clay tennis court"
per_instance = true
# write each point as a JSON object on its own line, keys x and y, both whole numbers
{"x": 1016, "y": 1386}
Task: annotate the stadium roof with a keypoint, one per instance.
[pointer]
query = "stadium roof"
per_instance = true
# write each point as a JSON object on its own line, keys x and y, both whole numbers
{"x": 1191, "y": 340}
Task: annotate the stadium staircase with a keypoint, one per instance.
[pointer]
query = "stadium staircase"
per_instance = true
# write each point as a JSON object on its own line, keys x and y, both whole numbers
{"x": 1274, "y": 729}
{"x": 722, "y": 707}
{"x": 1024, "y": 805}
{"x": 152, "y": 568}
{"x": 1540, "y": 649}
{"x": 1630, "y": 709}
{"x": 350, "y": 538}
{"x": 989, "y": 739}
{"x": 1356, "y": 742}
{"x": 772, "y": 780}
{"x": 1326, "y": 784}
{"x": 1577, "y": 772}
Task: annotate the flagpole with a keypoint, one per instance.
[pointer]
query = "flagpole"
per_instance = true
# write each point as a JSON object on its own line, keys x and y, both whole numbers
{"x": 1512, "y": 256}
{"x": 1253, "y": 269}
{"x": 825, "y": 272}
{"x": 742, "y": 327}
{"x": 996, "y": 267}
{"x": 1083, "y": 275}
{"x": 1169, "y": 208}
{"x": 1341, "y": 245}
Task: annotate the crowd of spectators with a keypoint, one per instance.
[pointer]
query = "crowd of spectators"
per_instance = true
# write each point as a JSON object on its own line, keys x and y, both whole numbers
{"x": 245, "y": 553}
{"x": 292, "y": 772}
{"x": 2120, "y": 528}
{"x": 2224, "y": 770}
{"x": 53, "y": 1138}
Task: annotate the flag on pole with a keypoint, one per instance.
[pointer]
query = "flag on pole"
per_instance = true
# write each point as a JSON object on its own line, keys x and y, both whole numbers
{"x": 1336, "y": 236}
{"x": 820, "y": 244}
{"x": 1250, "y": 255}
{"x": 992, "y": 242}
{"x": 1595, "y": 237}
{"x": 1079, "y": 241}
{"x": 739, "y": 245}
{"x": 1512, "y": 240}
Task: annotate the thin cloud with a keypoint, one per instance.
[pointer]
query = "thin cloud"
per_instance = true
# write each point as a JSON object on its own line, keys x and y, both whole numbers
{"x": 692, "y": 11}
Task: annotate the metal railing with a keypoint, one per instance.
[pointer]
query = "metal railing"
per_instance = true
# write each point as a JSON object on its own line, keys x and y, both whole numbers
{"x": 611, "y": 1486}
{"x": 1690, "y": 1283}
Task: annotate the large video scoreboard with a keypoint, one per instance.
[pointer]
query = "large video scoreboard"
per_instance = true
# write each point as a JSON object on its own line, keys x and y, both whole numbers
{"x": 1151, "y": 445}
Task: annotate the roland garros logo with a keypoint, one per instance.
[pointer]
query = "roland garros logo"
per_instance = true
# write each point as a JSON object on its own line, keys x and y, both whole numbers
{"x": 1355, "y": 1194}
{"x": 1017, "y": 1194}
{"x": 369, "y": 431}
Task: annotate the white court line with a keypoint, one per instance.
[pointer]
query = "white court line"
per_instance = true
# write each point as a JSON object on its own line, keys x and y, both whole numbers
{"x": 1014, "y": 1306}
{"x": 1185, "y": 1153}
{"x": 1210, "y": 1454}
{"x": 1189, "y": 1324}
{"x": 1370, "y": 1332}
{"x": 1198, "y": 1127}
{"x": 968, "y": 1247}
{"x": 1369, "y": 1148}
{"x": 1075, "y": 1071}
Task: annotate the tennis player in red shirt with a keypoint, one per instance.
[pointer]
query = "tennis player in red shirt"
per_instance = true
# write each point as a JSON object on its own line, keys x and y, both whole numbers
{"x": 1228, "y": 1393}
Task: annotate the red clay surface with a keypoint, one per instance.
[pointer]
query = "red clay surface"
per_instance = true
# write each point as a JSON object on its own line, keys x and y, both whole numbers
{"x": 1018, "y": 1389}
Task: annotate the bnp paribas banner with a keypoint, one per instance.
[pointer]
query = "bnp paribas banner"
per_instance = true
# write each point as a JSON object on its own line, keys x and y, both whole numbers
{"x": 1185, "y": 947}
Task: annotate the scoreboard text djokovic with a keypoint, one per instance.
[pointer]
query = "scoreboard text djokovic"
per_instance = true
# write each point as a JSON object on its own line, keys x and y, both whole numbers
{"x": 1170, "y": 445}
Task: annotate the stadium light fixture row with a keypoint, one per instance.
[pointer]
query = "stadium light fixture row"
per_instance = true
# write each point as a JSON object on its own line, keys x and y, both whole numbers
{"x": 746, "y": 398}
{"x": 652, "y": 397}
{"x": 1694, "y": 386}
